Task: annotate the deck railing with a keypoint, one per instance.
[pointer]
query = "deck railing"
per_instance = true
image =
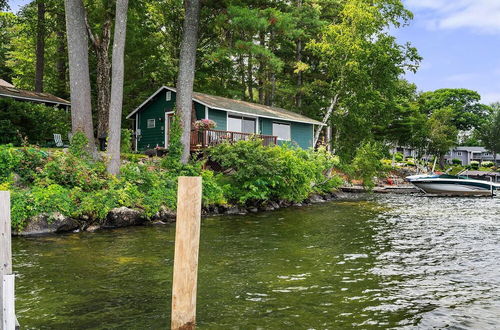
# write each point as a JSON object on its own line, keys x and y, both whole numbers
{"x": 205, "y": 138}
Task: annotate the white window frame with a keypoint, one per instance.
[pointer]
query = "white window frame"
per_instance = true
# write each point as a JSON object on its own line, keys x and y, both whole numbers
{"x": 151, "y": 121}
{"x": 283, "y": 124}
{"x": 168, "y": 96}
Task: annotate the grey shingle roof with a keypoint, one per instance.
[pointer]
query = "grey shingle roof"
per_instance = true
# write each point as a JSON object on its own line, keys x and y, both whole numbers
{"x": 17, "y": 93}
{"x": 223, "y": 103}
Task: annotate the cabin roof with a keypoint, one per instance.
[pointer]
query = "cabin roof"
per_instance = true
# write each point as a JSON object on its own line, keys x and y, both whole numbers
{"x": 237, "y": 106}
{"x": 22, "y": 94}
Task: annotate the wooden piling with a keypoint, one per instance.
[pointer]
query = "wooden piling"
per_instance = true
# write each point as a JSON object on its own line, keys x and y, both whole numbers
{"x": 7, "y": 314}
{"x": 187, "y": 241}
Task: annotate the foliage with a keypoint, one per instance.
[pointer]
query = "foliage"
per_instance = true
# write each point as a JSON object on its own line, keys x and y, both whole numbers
{"x": 487, "y": 164}
{"x": 398, "y": 157}
{"x": 366, "y": 164}
{"x": 442, "y": 134}
{"x": 474, "y": 165}
{"x": 489, "y": 132}
{"x": 126, "y": 141}
{"x": 36, "y": 122}
{"x": 456, "y": 161}
{"x": 173, "y": 158}
{"x": 204, "y": 124}
{"x": 281, "y": 172}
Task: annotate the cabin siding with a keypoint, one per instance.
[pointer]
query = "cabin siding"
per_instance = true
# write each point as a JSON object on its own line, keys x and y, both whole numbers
{"x": 301, "y": 133}
{"x": 151, "y": 137}
{"x": 219, "y": 117}
{"x": 200, "y": 110}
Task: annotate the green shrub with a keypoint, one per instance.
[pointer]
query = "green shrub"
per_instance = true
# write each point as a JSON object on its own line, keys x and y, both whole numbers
{"x": 279, "y": 172}
{"x": 173, "y": 158}
{"x": 366, "y": 164}
{"x": 36, "y": 122}
{"x": 487, "y": 164}
{"x": 9, "y": 160}
{"x": 456, "y": 161}
{"x": 474, "y": 165}
{"x": 126, "y": 141}
{"x": 399, "y": 157}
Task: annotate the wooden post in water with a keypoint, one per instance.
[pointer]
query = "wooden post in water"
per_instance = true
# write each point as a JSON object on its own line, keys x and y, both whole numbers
{"x": 7, "y": 310}
{"x": 187, "y": 242}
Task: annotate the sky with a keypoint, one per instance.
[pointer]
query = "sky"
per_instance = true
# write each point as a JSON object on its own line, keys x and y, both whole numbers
{"x": 459, "y": 41}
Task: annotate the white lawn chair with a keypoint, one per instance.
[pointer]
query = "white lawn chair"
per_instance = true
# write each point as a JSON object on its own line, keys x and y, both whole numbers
{"x": 58, "y": 140}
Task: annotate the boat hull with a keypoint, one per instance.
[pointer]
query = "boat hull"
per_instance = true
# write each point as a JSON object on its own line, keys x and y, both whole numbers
{"x": 454, "y": 188}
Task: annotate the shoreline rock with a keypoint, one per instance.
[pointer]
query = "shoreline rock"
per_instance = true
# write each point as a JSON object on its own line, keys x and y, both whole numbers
{"x": 127, "y": 217}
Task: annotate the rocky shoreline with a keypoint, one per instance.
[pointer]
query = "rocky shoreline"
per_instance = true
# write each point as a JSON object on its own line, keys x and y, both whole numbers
{"x": 126, "y": 217}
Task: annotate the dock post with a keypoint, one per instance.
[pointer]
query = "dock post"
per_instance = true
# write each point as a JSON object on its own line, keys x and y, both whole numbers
{"x": 7, "y": 309}
{"x": 187, "y": 242}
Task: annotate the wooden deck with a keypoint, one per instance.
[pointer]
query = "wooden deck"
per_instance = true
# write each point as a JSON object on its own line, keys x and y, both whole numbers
{"x": 206, "y": 138}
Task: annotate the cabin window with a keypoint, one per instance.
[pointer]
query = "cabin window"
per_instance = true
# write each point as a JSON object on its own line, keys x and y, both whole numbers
{"x": 459, "y": 153}
{"x": 240, "y": 124}
{"x": 151, "y": 123}
{"x": 282, "y": 131}
{"x": 169, "y": 96}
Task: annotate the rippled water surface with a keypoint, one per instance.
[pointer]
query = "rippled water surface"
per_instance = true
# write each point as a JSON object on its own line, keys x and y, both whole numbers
{"x": 374, "y": 262}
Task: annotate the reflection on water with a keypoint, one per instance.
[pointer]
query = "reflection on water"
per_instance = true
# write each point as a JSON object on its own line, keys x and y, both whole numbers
{"x": 375, "y": 262}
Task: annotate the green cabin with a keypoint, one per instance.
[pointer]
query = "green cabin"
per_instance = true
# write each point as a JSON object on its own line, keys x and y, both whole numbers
{"x": 235, "y": 120}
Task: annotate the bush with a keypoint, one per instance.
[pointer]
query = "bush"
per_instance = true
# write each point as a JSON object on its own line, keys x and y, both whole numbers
{"x": 399, "y": 157}
{"x": 366, "y": 164}
{"x": 36, "y": 122}
{"x": 281, "y": 172}
{"x": 126, "y": 141}
{"x": 456, "y": 161}
{"x": 474, "y": 165}
{"x": 487, "y": 164}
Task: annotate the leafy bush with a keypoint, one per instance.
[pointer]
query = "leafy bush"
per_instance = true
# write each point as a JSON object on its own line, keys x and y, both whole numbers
{"x": 487, "y": 164}
{"x": 36, "y": 122}
{"x": 279, "y": 172}
{"x": 456, "y": 161}
{"x": 366, "y": 163}
{"x": 173, "y": 158}
{"x": 26, "y": 162}
{"x": 474, "y": 165}
{"x": 126, "y": 141}
{"x": 398, "y": 157}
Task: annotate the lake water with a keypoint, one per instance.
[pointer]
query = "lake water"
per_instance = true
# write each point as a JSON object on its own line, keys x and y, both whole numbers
{"x": 377, "y": 261}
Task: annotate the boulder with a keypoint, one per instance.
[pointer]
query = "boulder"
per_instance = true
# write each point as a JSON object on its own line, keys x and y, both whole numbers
{"x": 253, "y": 209}
{"x": 92, "y": 228}
{"x": 49, "y": 223}
{"x": 123, "y": 217}
{"x": 165, "y": 215}
{"x": 236, "y": 210}
{"x": 315, "y": 198}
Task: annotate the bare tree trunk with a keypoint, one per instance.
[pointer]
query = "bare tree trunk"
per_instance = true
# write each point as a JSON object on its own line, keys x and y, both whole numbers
{"x": 260, "y": 81}
{"x": 115, "y": 111}
{"x": 40, "y": 46}
{"x": 185, "y": 79}
{"x": 61, "y": 51}
{"x": 103, "y": 79}
{"x": 250, "y": 77}
{"x": 298, "y": 58}
{"x": 328, "y": 113}
{"x": 81, "y": 108}
{"x": 241, "y": 65}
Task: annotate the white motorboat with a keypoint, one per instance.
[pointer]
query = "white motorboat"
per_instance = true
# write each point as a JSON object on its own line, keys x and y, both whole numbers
{"x": 451, "y": 185}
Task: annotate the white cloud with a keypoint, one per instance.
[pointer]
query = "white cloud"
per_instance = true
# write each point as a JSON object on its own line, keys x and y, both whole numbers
{"x": 462, "y": 77}
{"x": 480, "y": 15}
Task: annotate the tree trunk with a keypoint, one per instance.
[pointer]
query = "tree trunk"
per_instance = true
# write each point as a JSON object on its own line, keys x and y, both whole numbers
{"x": 260, "y": 81}
{"x": 117, "y": 73}
{"x": 441, "y": 162}
{"x": 250, "y": 77}
{"x": 241, "y": 64}
{"x": 328, "y": 113}
{"x": 40, "y": 46}
{"x": 185, "y": 79}
{"x": 81, "y": 109}
{"x": 103, "y": 79}
{"x": 60, "y": 57}
{"x": 298, "y": 58}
